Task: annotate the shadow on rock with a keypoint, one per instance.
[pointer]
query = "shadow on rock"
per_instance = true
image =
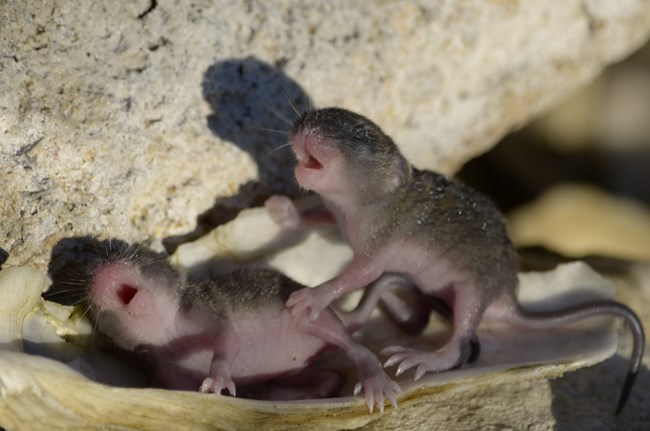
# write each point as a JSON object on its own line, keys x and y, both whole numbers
{"x": 587, "y": 398}
{"x": 4, "y": 255}
{"x": 253, "y": 106}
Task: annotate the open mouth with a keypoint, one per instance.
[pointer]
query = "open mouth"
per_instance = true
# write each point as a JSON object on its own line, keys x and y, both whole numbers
{"x": 305, "y": 157}
{"x": 312, "y": 163}
{"x": 126, "y": 293}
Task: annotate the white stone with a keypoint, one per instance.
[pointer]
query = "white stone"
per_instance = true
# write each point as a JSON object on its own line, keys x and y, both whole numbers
{"x": 117, "y": 120}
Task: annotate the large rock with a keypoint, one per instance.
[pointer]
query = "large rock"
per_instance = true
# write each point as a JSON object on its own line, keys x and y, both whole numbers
{"x": 129, "y": 120}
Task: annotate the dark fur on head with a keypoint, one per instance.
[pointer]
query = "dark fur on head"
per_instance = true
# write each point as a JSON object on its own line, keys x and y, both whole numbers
{"x": 368, "y": 151}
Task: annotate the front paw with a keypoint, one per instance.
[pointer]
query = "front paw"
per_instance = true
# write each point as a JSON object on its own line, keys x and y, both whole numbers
{"x": 376, "y": 388}
{"x": 310, "y": 300}
{"x": 283, "y": 211}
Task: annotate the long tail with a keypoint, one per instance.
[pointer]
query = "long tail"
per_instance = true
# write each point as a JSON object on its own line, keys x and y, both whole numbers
{"x": 555, "y": 319}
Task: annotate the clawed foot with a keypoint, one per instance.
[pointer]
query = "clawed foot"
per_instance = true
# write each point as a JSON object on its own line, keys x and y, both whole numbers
{"x": 283, "y": 211}
{"x": 377, "y": 388}
{"x": 217, "y": 384}
{"x": 310, "y": 300}
{"x": 434, "y": 362}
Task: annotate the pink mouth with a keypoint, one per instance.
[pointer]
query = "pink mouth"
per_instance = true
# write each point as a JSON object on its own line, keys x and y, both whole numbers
{"x": 116, "y": 286}
{"x": 312, "y": 163}
{"x": 126, "y": 293}
{"x": 306, "y": 158}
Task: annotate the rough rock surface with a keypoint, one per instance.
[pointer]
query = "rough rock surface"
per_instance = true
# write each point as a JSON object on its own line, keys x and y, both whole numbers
{"x": 129, "y": 119}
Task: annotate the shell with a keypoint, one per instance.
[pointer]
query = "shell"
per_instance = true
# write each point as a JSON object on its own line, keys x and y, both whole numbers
{"x": 53, "y": 375}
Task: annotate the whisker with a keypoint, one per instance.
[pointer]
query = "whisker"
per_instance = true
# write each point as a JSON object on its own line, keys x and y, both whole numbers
{"x": 71, "y": 283}
{"x": 99, "y": 315}
{"x": 155, "y": 260}
{"x": 92, "y": 247}
{"x": 65, "y": 293}
{"x": 279, "y": 115}
{"x": 128, "y": 251}
{"x": 86, "y": 310}
{"x": 120, "y": 251}
{"x": 264, "y": 129}
{"x": 79, "y": 301}
{"x": 288, "y": 144}
{"x": 137, "y": 248}
{"x": 104, "y": 248}
{"x": 286, "y": 96}
{"x": 66, "y": 299}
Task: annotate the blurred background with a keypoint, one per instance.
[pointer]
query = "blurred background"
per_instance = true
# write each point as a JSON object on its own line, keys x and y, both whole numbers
{"x": 577, "y": 181}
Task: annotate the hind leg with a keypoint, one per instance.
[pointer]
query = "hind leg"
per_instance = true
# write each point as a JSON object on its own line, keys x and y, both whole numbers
{"x": 373, "y": 380}
{"x": 443, "y": 309}
{"x": 468, "y": 309}
{"x": 409, "y": 315}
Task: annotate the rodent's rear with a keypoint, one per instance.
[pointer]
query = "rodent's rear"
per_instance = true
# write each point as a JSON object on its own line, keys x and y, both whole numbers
{"x": 461, "y": 223}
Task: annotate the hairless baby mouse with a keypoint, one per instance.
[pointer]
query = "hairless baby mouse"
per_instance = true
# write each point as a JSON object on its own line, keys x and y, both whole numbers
{"x": 217, "y": 333}
{"x": 446, "y": 238}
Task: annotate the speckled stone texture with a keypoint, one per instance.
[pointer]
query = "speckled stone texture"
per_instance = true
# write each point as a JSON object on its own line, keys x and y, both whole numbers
{"x": 129, "y": 119}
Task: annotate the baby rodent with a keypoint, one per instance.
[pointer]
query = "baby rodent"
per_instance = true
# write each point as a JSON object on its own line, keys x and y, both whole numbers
{"x": 446, "y": 238}
{"x": 213, "y": 334}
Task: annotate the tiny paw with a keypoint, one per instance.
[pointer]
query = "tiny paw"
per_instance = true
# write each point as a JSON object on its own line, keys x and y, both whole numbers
{"x": 424, "y": 361}
{"x": 311, "y": 299}
{"x": 217, "y": 384}
{"x": 376, "y": 389}
{"x": 283, "y": 211}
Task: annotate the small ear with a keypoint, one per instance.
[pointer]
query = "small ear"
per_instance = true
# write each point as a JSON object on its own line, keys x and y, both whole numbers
{"x": 399, "y": 173}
